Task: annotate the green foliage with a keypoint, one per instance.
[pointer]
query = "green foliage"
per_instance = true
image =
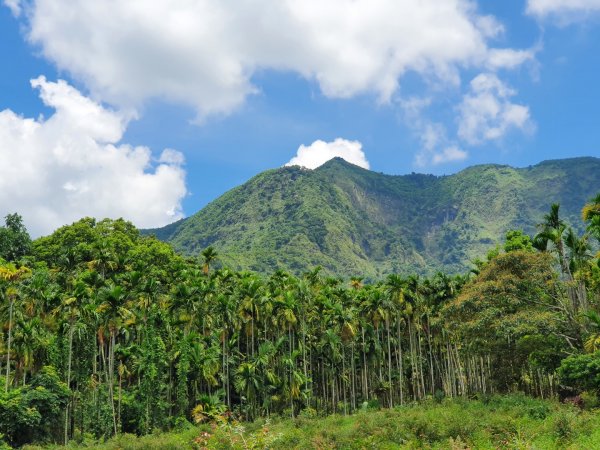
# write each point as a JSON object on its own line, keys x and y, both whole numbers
{"x": 14, "y": 239}
{"x": 591, "y": 215}
{"x": 510, "y": 307}
{"x": 581, "y": 372}
{"x": 590, "y": 400}
{"x": 17, "y": 417}
{"x": 504, "y": 422}
{"x": 563, "y": 425}
{"x": 33, "y": 412}
{"x": 517, "y": 240}
{"x": 210, "y": 408}
{"x": 3, "y": 444}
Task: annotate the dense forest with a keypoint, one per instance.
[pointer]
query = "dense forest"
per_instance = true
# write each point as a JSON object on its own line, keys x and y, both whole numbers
{"x": 105, "y": 331}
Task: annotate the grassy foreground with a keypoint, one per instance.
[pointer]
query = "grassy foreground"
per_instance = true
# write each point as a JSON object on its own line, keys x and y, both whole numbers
{"x": 507, "y": 422}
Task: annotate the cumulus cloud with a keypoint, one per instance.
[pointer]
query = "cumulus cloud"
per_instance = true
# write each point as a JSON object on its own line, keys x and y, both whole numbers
{"x": 487, "y": 112}
{"x": 508, "y": 58}
{"x": 204, "y": 53}
{"x": 319, "y": 152}
{"x": 14, "y": 6}
{"x": 449, "y": 154}
{"x": 563, "y": 10}
{"x": 70, "y": 165}
{"x": 434, "y": 157}
{"x": 436, "y": 147}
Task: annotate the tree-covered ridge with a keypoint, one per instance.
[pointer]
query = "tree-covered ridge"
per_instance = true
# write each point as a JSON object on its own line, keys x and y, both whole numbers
{"x": 350, "y": 220}
{"x": 107, "y": 331}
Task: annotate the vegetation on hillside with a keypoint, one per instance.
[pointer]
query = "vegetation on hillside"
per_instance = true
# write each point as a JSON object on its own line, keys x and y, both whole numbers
{"x": 353, "y": 221}
{"x": 105, "y": 332}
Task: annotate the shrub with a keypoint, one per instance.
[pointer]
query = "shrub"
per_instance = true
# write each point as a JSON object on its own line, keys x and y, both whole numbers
{"x": 581, "y": 372}
{"x": 438, "y": 396}
{"x": 31, "y": 413}
{"x": 590, "y": 400}
{"x": 539, "y": 412}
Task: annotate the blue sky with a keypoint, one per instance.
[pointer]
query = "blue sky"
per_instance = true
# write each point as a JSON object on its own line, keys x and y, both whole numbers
{"x": 150, "y": 112}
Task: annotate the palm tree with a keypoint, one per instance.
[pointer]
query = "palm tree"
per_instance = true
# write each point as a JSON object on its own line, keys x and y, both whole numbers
{"x": 115, "y": 315}
{"x": 28, "y": 339}
{"x": 250, "y": 291}
{"x": 356, "y": 282}
{"x": 71, "y": 309}
{"x": 247, "y": 381}
{"x": 209, "y": 254}
{"x": 592, "y": 343}
{"x": 10, "y": 274}
{"x": 591, "y": 215}
{"x": 330, "y": 345}
{"x": 552, "y": 231}
{"x": 265, "y": 365}
{"x": 579, "y": 258}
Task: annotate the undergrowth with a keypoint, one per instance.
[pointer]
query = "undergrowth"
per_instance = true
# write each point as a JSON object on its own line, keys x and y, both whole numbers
{"x": 507, "y": 422}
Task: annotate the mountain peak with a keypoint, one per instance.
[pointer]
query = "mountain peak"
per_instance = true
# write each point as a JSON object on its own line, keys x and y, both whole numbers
{"x": 340, "y": 162}
{"x": 354, "y": 221}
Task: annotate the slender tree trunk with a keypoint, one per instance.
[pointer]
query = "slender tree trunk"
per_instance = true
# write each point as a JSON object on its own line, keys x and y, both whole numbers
{"x": 366, "y": 383}
{"x": 10, "y": 317}
{"x": 69, "y": 382}
{"x": 389, "y": 348}
{"x": 400, "y": 362}
{"x": 111, "y": 364}
{"x": 120, "y": 399}
{"x": 333, "y": 391}
{"x": 420, "y": 346}
{"x": 430, "y": 356}
{"x": 343, "y": 385}
{"x": 353, "y": 372}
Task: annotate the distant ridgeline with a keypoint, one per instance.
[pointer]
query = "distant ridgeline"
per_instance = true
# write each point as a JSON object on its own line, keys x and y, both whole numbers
{"x": 352, "y": 221}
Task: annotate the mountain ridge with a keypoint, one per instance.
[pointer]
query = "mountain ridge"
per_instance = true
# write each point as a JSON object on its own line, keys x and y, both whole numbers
{"x": 353, "y": 221}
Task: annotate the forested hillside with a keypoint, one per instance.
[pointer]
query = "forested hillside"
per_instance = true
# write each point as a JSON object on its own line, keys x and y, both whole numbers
{"x": 353, "y": 221}
{"x": 105, "y": 331}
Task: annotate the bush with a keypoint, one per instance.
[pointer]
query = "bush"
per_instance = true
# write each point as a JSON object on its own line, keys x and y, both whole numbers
{"x": 3, "y": 444}
{"x": 581, "y": 372}
{"x": 33, "y": 412}
{"x": 439, "y": 396}
{"x": 590, "y": 400}
{"x": 308, "y": 413}
{"x": 539, "y": 412}
{"x": 563, "y": 425}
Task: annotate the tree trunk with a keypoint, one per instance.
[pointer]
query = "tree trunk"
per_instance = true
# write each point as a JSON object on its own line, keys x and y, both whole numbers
{"x": 10, "y": 316}
{"x": 69, "y": 382}
{"x": 389, "y": 347}
{"x": 111, "y": 363}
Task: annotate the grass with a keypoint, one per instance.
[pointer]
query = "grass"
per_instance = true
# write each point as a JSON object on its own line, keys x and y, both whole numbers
{"x": 506, "y": 422}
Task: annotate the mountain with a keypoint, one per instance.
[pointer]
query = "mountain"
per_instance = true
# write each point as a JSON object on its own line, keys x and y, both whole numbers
{"x": 353, "y": 221}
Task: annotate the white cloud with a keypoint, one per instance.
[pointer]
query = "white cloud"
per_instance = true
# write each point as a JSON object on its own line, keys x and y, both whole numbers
{"x": 507, "y": 58}
{"x": 319, "y": 152}
{"x": 563, "y": 10}
{"x": 432, "y": 135}
{"x": 436, "y": 147}
{"x": 487, "y": 113}
{"x": 14, "y": 6}
{"x": 58, "y": 170}
{"x": 204, "y": 53}
{"x": 449, "y": 154}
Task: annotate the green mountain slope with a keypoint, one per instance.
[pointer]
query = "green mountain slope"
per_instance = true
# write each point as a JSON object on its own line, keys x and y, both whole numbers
{"x": 353, "y": 221}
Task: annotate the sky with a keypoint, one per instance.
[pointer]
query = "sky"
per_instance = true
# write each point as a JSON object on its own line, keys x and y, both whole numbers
{"x": 150, "y": 110}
